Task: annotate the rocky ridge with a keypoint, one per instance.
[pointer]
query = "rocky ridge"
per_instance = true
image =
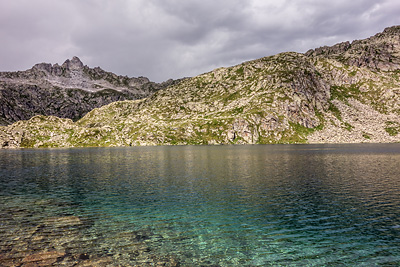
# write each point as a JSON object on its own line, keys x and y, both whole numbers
{"x": 68, "y": 91}
{"x": 379, "y": 53}
{"x": 348, "y": 93}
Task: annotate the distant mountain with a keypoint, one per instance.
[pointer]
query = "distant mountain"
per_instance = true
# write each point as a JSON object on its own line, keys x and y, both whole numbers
{"x": 68, "y": 91}
{"x": 347, "y": 93}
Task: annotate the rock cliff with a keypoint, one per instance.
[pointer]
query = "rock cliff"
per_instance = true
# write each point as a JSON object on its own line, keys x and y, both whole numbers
{"x": 68, "y": 91}
{"x": 378, "y": 53}
{"x": 342, "y": 94}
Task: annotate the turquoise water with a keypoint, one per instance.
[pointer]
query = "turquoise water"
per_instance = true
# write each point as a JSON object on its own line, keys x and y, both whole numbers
{"x": 278, "y": 205}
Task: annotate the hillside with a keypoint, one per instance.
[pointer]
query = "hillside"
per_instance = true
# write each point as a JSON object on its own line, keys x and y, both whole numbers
{"x": 342, "y": 94}
{"x": 68, "y": 91}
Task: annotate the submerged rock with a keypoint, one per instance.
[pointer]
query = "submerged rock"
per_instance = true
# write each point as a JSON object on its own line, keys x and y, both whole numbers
{"x": 42, "y": 258}
{"x": 65, "y": 221}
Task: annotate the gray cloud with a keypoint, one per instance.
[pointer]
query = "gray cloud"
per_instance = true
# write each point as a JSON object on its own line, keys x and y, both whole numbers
{"x": 164, "y": 39}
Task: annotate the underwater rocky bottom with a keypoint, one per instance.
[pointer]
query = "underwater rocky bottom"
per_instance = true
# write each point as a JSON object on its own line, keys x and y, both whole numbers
{"x": 29, "y": 239}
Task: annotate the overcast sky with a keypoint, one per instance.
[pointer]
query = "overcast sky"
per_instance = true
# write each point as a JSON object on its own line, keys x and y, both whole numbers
{"x": 163, "y": 39}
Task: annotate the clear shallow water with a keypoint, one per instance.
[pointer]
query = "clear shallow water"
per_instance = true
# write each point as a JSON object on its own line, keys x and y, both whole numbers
{"x": 289, "y": 205}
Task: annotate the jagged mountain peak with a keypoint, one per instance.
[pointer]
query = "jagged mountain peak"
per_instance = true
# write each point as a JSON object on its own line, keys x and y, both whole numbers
{"x": 69, "y": 64}
{"x": 74, "y": 74}
{"x": 69, "y": 90}
{"x": 74, "y": 63}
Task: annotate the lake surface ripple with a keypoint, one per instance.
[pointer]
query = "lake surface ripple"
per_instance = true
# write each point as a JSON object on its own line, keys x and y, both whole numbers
{"x": 278, "y": 205}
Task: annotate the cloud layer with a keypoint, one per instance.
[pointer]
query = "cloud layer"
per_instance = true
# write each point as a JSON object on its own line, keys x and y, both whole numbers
{"x": 163, "y": 39}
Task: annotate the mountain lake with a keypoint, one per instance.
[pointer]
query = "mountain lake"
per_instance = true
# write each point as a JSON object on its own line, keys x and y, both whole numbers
{"x": 251, "y": 205}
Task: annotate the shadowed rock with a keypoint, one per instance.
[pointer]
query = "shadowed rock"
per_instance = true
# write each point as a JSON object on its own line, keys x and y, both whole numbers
{"x": 68, "y": 91}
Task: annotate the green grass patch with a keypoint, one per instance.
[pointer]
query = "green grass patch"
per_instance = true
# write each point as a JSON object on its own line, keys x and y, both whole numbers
{"x": 240, "y": 71}
{"x": 348, "y": 126}
{"x": 353, "y": 73}
{"x": 344, "y": 92}
{"x": 392, "y": 131}
{"x": 290, "y": 138}
{"x": 27, "y": 143}
{"x": 298, "y": 135}
{"x": 300, "y": 129}
{"x": 232, "y": 97}
{"x": 366, "y": 136}
{"x": 238, "y": 110}
{"x": 393, "y": 128}
{"x": 321, "y": 119}
{"x": 335, "y": 111}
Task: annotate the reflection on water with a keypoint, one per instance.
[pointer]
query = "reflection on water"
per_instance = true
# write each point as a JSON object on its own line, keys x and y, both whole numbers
{"x": 203, "y": 205}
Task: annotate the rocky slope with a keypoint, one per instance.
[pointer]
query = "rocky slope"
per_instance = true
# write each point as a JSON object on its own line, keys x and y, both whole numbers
{"x": 68, "y": 91}
{"x": 342, "y": 94}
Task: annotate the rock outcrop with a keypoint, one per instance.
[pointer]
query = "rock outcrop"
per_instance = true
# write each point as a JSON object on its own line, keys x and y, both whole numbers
{"x": 67, "y": 91}
{"x": 348, "y": 93}
{"x": 379, "y": 52}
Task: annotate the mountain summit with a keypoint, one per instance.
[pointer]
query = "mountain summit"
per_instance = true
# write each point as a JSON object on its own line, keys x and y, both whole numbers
{"x": 74, "y": 64}
{"x": 347, "y": 93}
{"x": 68, "y": 91}
{"x": 56, "y": 70}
